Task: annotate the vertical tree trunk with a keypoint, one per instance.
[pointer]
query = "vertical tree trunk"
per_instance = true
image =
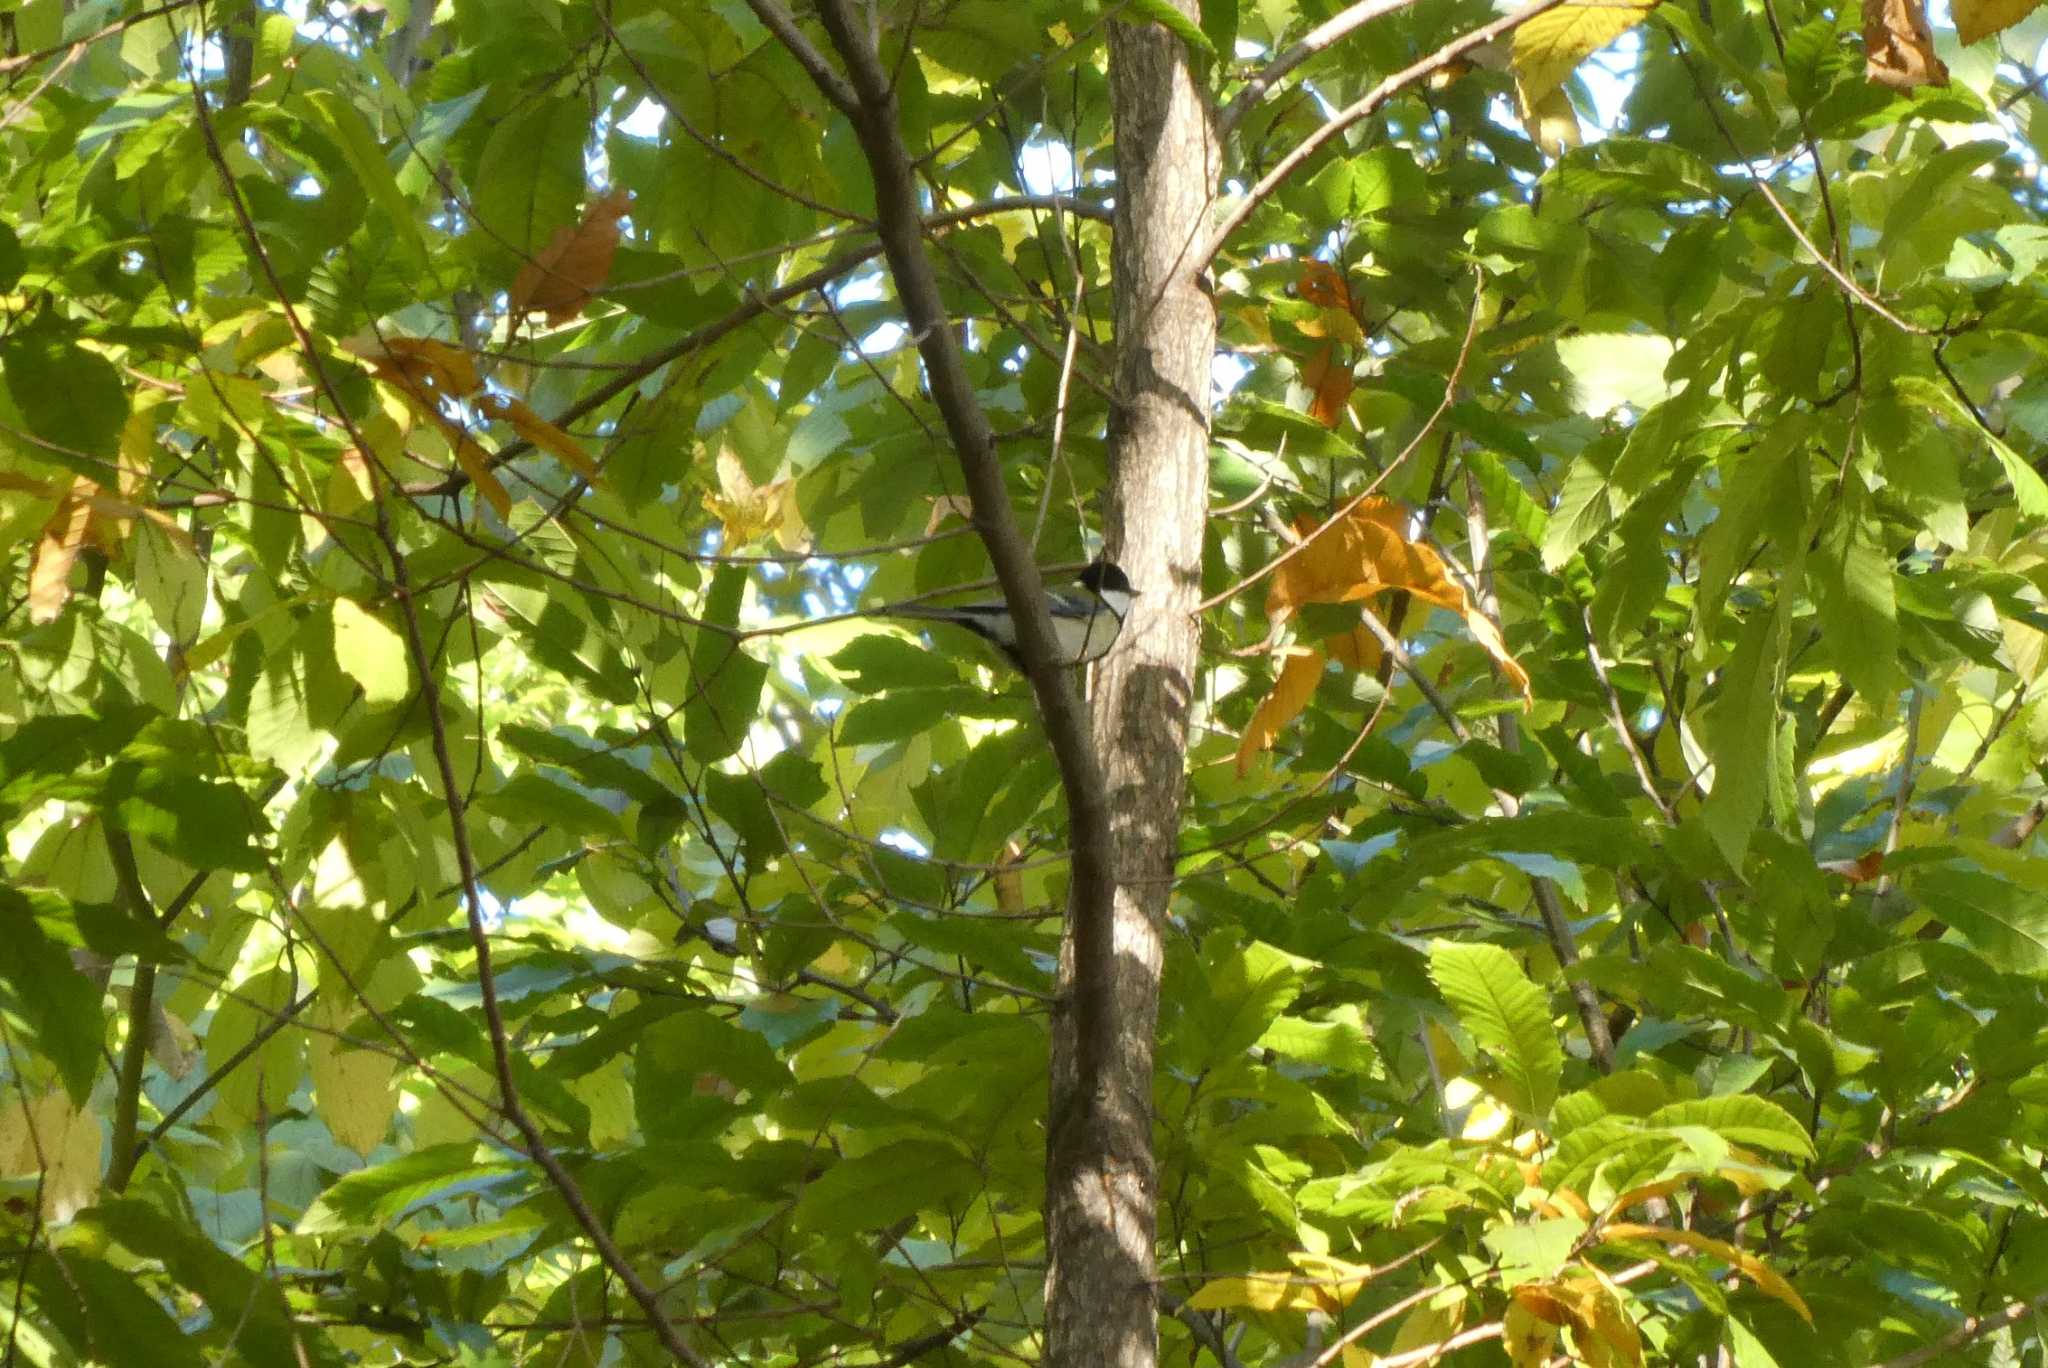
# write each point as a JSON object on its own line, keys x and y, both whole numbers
{"x": 1100, "y": 1193}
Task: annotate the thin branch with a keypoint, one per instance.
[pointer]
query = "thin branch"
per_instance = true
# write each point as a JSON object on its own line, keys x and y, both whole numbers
{"x": 1973, "y": 1327}
{"x": 872, "y": 110}
{"x": 28, "y": 59}
{"x": 830, "y": 83}
{"x": 430, "y": 691}
{"x": 1359, "y": 109}
{"x": 1323, "y": 35}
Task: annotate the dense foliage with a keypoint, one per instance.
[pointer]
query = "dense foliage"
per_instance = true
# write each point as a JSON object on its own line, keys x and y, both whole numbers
{"x": 1648, "y": 964}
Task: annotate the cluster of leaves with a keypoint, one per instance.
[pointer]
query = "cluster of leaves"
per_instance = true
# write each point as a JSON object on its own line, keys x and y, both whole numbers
{"x": 405, "y": 528}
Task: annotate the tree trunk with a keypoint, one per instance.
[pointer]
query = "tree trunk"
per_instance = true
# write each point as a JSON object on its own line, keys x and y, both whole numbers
{"x": 1100, "y": 1191}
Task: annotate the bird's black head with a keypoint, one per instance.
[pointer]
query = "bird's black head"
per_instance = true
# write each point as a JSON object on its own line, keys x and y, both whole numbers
{"x": 1106, "y": 576}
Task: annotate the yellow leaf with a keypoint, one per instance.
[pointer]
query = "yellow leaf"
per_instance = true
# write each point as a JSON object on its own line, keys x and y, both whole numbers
{"x": 1607, "y": 1335}
{"x": 61, "y": 1142}
{"x": 540, "y": 432}
{"x": 1898, "y": 47}
{"x": 745, "y": 510}
{"x": 1550, "y": 45}
{"x": 1552, "y": 122}
{"x": 1527, "y": 1337}
{"x": 372, "y": 653}
{"x": 1430, "y": 1324}
{"x": 1766, "y": 1278}
{"x": 352, "y": 1089}
{"x": 1338, "y": 1280}
{"x": 1259, "y": 1292}
{"x": 1291, "y": 693}
{"x": 1981, "y": 18}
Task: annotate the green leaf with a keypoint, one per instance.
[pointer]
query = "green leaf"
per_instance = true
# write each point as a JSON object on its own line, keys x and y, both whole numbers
{"x": 53, "y": 999}
{"x": 2030, "y": 492}
{"x": 1506, "y": 1014}
{"x": 991, "y": 945}
{"x": 339, "y": 118}
{"x": 1741, "y": 731}
{"x": 1341, "y": 1041}
{"x": 1859, "y": 612}
{"x": 1745, "y": 1120}
{"x": 107, "y": 1313}
{"x": 382, "y": 1195}
{"x": 879, "y": 1188}
{"x": 530, "y": 180}
{"x": 11, "y": 259}
{"x": 1166, "y": 13}
{"x": 273, "y": 1071}
{"x": 529, "y": 797}
{"x": 879, "y": 662}
{"x": 725, "y": 682}
{"x": 372, "y": 652}
{"x": 2006, "y": 923}
{"x": 679, "y": 1055}
{"x": 249, "y": 1308}
{"x": 72, "y": 400}
{"x": 209, "y": 824}
{"x": 1244, "y": 988}
{"x": 1219, "y": 22}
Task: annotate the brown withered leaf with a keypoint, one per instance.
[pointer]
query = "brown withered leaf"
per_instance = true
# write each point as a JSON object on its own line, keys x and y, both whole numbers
{"x": 575, "y": 264}
{"x": 1898, "y": 47}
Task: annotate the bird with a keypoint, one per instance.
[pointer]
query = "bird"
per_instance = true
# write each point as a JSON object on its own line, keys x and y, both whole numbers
{"x": 1085, "y": 620}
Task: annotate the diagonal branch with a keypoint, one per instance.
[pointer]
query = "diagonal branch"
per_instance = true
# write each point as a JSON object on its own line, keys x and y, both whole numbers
{"x": 1323, "y": 35}
{"x": 1362, "y": 108}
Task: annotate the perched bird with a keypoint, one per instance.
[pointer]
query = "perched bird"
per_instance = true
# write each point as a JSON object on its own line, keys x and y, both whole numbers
{"x": 1085, "y": 619}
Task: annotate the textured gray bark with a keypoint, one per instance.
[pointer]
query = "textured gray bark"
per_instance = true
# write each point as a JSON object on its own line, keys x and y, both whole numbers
{"x": 1101, "y": 1195}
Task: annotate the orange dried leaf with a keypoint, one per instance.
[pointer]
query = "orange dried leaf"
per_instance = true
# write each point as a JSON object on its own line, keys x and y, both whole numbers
{"x": 1291, "y": 693}
{"x": 435, "y": 370}
{"x": 1323, "y": 284}
{"x": 1898, "y": 47}
{"x": 575, "y": 264}
{"x": 1862, "y": 869}
{"x": 949, "y": 506}
{"x": 1329, "y": 381}
{"x": 1363, "y": 554}
{"x": 57, "y": 548}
